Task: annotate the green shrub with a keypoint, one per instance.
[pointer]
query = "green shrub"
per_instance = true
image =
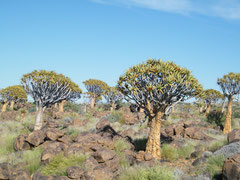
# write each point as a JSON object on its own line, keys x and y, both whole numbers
{"x": 70, "y": 106}
{"x": 169, "y": 152}
{"x": 6, "y": 143}
{"x": 217, "y": 144}
{"x": 119, "y": 146}
{"x": 185, "y": 151}
{"x": 214, "y": 165}
{"x": 32, "y": 159}
{"x": 59, "y": 164}
{"x": 116, "y": 116}
{"x": 216, "y": 118}
{"x": 144, "y": 173}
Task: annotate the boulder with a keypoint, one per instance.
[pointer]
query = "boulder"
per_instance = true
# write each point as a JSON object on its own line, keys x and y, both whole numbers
{"x": 20, "y": 174}
{"x": 36, "y": 138}
{"x": 231, "y": 168}
{"x": 102, "y": 123}
{"x": 196, "y": 133}
{"x": 90, "y": 163}
{"x": 104, "y": 155}
{"x": 75, "y": 172}
{"x": 229, "y": 150}
{"x": 102, "y": 173}
{"x": 38, "y": 176}
{"x": 65, "y": 139}
{"x": 234, "y": 136}
{"x": 4, "y": 171}
{"x": 54, "y": 134}
{"x": 21, "y": 144}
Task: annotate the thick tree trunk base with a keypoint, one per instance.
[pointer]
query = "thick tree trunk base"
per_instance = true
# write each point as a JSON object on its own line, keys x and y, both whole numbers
{"x": 92, "y": 103}
{"x": 39, "y": 119}
{"x": 4, "y": 107}
{"x": 61, "y": 106}
{"x": 153, "y": 144}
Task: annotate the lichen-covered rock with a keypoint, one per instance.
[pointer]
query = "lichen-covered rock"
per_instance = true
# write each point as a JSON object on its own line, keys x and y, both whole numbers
{"x": 75, "y": 172}
{"x": 20, "y": 174}
{"x": 104, "y": 155}
{"x": 229, "y": 150}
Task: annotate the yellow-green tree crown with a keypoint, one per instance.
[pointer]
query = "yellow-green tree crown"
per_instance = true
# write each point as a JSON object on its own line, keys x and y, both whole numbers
{"x": 13, "y": 93}
{"x": 160, "y": 83}
{"x": 96, "y": 87}
{"x": 51, "y": 77}
{"x": 230, "y": 84}
{"x": 211, "y": 96}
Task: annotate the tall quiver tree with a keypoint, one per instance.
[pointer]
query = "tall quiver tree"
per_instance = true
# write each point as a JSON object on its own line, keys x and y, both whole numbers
{"x": 73, "y": 96}
{"x": 156, "y": 86}
{"x": 46, "y": 88}
{"x": 12, "y": 95}
{"x": 96, "y": 88}
{"x": 211, "y": 97}
{"x": 113, "y": 95}
{"x": 230, "y": 86}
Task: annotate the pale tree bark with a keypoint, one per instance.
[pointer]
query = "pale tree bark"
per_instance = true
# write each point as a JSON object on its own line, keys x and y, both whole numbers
{"x": 12, "y": 105}
{"x": 55, "y": 106}
{"x": 22, "y": 116}
{"x": 92, "y": 103}
{"x": 39, "y": 119}
{"x": 61, "y": 105}
{"x": 201, "y": 109}
{"x": 141, "y": 110}
{"x": 227, "y": 126}
{"x": 4, "y": 107}
{"x": 112, "y": 107}
{"x": 153, "y": 144}
{"x": 207, "y": 110}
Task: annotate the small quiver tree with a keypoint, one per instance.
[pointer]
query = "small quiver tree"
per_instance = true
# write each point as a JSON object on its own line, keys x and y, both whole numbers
{"x": 230, "y": 86}
{"x": 96, "y": 88}
{"x": 12, "y": 95}
{"x": 156, "y": 86}
{"x": 113, "y": 95}
{"x": 73, "y": 96}
{"x": 211, "y": 97}
{"x": 46, "y": 88}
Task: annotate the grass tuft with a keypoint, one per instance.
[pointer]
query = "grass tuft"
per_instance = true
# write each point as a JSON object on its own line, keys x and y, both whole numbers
{"x": 214, "y": 165}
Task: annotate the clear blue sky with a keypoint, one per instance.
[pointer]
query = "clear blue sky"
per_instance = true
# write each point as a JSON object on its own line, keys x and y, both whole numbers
{"x": 101, "y": 38}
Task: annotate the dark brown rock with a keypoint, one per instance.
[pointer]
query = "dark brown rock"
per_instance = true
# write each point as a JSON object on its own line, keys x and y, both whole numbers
{"x": 36, "y": 138}
{"x": 103, "y": 123}
{"x": 20, "y": 175}
{"x": 4, "y": 171}
{"x": 75, "y": 172}
{"x": 90, "y": 163}
{"x": 102, "y": 173}
{"x": 104, "y": 155}
{"x": 148, "y": 157}
{"x": 54, "y": 134}
{"x": 234, "y": 136}
{"x": 196, "y": 133}
{"x": 21, "y": 144}
{"x": 231, "y": 168}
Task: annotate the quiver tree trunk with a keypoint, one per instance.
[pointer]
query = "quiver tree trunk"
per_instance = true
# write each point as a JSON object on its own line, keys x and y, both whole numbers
{"x": 141, "y": 110}
{"x": 61, "y": 105}
{"x": 227, "y": 126}
{"x": 207, "y": 110}
{"x": 12, "y": 105}
{"x": 4, "y": 107}
{"x": 92, "y": 102}
{"x": 153, "y": 144}
{"x": 223, "y": 106}
{"x": 39, "y": 118}
{"x": 55, "y": 106}
{"x": 201, "y": 109}
{"x": 112, "y": 107}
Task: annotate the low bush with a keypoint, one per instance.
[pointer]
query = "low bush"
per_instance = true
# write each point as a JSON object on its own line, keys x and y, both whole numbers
{"x": 214, "y": 166}
{"x": 116, "y": 116}
{"x": 169, "y": 152}
{"x": 119, "y": 146}
{"x": 144, "y": 173}
{"x": 217, "y": 144}
{"x": 59, "y": 164}
{"x": 186, "y": 151}
{"x": 216, "y": 118}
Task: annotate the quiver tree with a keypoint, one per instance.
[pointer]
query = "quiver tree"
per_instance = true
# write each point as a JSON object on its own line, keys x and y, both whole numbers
{"x": 46, "y": 88}
{"x": 230, "y": 86}
{"x": 96, "y": 88}
{"x": 211, "y": 97}
{"x": 12, "y": 95}
{"x": 73, "y": 96}
{"x": 156, "y": 86}
{"x": 200, "y": 103}
{"x": 113, "y": 95}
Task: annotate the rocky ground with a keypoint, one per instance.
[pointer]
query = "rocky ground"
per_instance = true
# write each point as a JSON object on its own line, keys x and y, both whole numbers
{"x": 101, "y": 145}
